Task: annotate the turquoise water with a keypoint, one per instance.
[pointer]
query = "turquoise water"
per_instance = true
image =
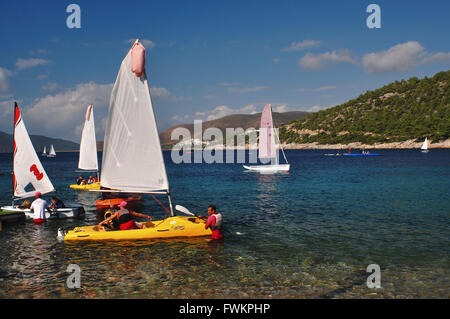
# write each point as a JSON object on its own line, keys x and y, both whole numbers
{"x": 307, "y": 234}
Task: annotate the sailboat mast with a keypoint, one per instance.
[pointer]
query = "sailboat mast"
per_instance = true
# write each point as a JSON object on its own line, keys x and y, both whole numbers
{"x": 279, "y": 143}
{"x": 170, "y": 204}
{"x": 14, "y": 151}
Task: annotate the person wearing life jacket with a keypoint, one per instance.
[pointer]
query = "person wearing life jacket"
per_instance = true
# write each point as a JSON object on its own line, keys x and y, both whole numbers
{"x": 124, "y": 218}
{"x": 214, "y": 222}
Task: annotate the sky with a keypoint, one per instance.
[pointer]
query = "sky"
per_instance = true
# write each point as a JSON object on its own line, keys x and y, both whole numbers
{"x": 208, "y": 59}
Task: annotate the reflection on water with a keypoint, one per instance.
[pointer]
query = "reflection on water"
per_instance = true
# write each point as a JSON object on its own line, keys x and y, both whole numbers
{"x": 307, "y": 234}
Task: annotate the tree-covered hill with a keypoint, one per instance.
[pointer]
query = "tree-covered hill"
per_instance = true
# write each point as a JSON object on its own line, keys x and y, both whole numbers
{"x": 400, "y": 111}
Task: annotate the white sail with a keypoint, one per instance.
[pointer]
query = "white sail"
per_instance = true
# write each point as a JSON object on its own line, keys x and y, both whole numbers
{"x": 52, "y": 152}
{"x": 132, "y": 157}
{"x": 28, "y": 170}
{"x": 425, "y": 144}
{"x": 45, "y": 151}
{"x": 88, "y": 146}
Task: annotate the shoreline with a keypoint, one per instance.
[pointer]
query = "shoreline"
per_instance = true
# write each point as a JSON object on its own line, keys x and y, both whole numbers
{"x": 409, "y": 144}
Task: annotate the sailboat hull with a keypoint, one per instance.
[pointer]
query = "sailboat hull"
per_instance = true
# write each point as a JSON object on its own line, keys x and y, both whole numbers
{"x": 86, "y": 187}
{"x": 269, "y": 168}
{"x": 172, "y": 227}
{"x": 74, "y": 211}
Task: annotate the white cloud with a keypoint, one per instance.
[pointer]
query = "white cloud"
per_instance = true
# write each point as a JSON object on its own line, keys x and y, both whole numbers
{"x": 60, "y": 114}
{"x": 302, "y": 45}
{"x": 50, "y": 86}
{"x": 4, "y": 80}
{"x": 319, "y": 89}
{"x": 315, "y": 62}
{"x": 440, "y": 57}
{"x": 246, "y": 89}
{"x": 30, "y": 63}
{"x": 215, "y": 113}
{"x": 148, "y": 44}
{"x": 229, "y": 83}
{"x": 401, "y": 57}
{"x": 159, "y": 92}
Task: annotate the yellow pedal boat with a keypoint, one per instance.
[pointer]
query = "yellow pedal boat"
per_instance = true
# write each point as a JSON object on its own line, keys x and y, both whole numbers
{"x": 86, "y": 187}
{"x": 172, "y": 227}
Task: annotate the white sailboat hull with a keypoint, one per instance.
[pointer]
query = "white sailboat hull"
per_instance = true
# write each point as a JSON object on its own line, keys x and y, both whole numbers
{"x": 269, "y": 168}
{"x": 74, "y": 211}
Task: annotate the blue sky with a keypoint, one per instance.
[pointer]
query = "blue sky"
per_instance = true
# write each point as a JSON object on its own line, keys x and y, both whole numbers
{"x": 207, "y": 59}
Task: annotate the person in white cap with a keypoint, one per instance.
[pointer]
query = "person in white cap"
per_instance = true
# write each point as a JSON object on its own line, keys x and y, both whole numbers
{"x": 124, "y": 220}
{"x": 38, "y": 208}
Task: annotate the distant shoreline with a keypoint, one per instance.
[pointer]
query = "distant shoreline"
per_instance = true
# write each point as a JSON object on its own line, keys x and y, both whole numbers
{"x": 409, "y": 144}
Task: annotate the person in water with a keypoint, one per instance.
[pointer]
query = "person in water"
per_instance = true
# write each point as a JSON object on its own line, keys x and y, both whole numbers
{"x": 214, "y": 222}
{"x": 56, "y": 203}
{"x": 124, "y": 219}
{"x": 38, "y": 208}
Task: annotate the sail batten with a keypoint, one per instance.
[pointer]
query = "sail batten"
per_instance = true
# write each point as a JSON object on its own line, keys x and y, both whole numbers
{"x": 88, "y": 147}
{"x": 132, "y": 157}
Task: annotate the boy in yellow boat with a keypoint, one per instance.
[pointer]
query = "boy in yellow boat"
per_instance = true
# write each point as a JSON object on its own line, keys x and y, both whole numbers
{"x": 124, "y": 220}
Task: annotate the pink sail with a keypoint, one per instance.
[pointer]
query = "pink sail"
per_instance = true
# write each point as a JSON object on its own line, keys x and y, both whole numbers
{"x": 267, "y": 147}
{"x": 88, "y": 112}
{"x": 138, "y": 59}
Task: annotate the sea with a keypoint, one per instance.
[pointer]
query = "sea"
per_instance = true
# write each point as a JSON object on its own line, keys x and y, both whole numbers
{"x": 330, "y": 228}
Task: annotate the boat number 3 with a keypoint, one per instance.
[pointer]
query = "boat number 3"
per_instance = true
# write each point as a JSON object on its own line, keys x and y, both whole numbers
{"x": 36, "y": 172}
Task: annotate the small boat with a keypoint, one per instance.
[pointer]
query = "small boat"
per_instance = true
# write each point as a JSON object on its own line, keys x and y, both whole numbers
{"x": 131, "y": 129}
{"x": 30, "y": 177}
{"x": 44, "y": 153}
{"x": 424, "y": 148}
{"x": 86, "y": 187}
{"x": 104, "y": 204}
{"x": 267, "y": 146}
{"x": 175, "y": 226}
{"x": 361, "y": 154}
{"x": 88, "y": 161}
{"x": 52, "y": 152}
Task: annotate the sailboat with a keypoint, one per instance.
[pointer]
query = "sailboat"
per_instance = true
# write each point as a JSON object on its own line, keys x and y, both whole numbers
{"x": 424, "y": 148}
{"x": 88, "y": 160}
{"x": 29, "y": 175}
{"x": 132, "y": 157}
{"x": 44, "y": 153}
{"x": 268, "y": 144}
{"x": 52, "y": 152}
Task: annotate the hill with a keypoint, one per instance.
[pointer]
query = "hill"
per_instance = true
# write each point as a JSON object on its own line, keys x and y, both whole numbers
{"x": 244, "y": 121}
{"x": 39, "y": 142}
{"x": 404, "y": 110}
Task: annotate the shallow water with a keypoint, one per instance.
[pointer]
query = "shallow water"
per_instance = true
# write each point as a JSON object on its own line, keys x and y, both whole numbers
{"x": 307, "y": 234}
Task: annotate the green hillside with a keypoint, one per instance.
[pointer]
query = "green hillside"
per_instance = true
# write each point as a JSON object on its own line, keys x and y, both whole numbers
{"x": 403, "y": 110}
